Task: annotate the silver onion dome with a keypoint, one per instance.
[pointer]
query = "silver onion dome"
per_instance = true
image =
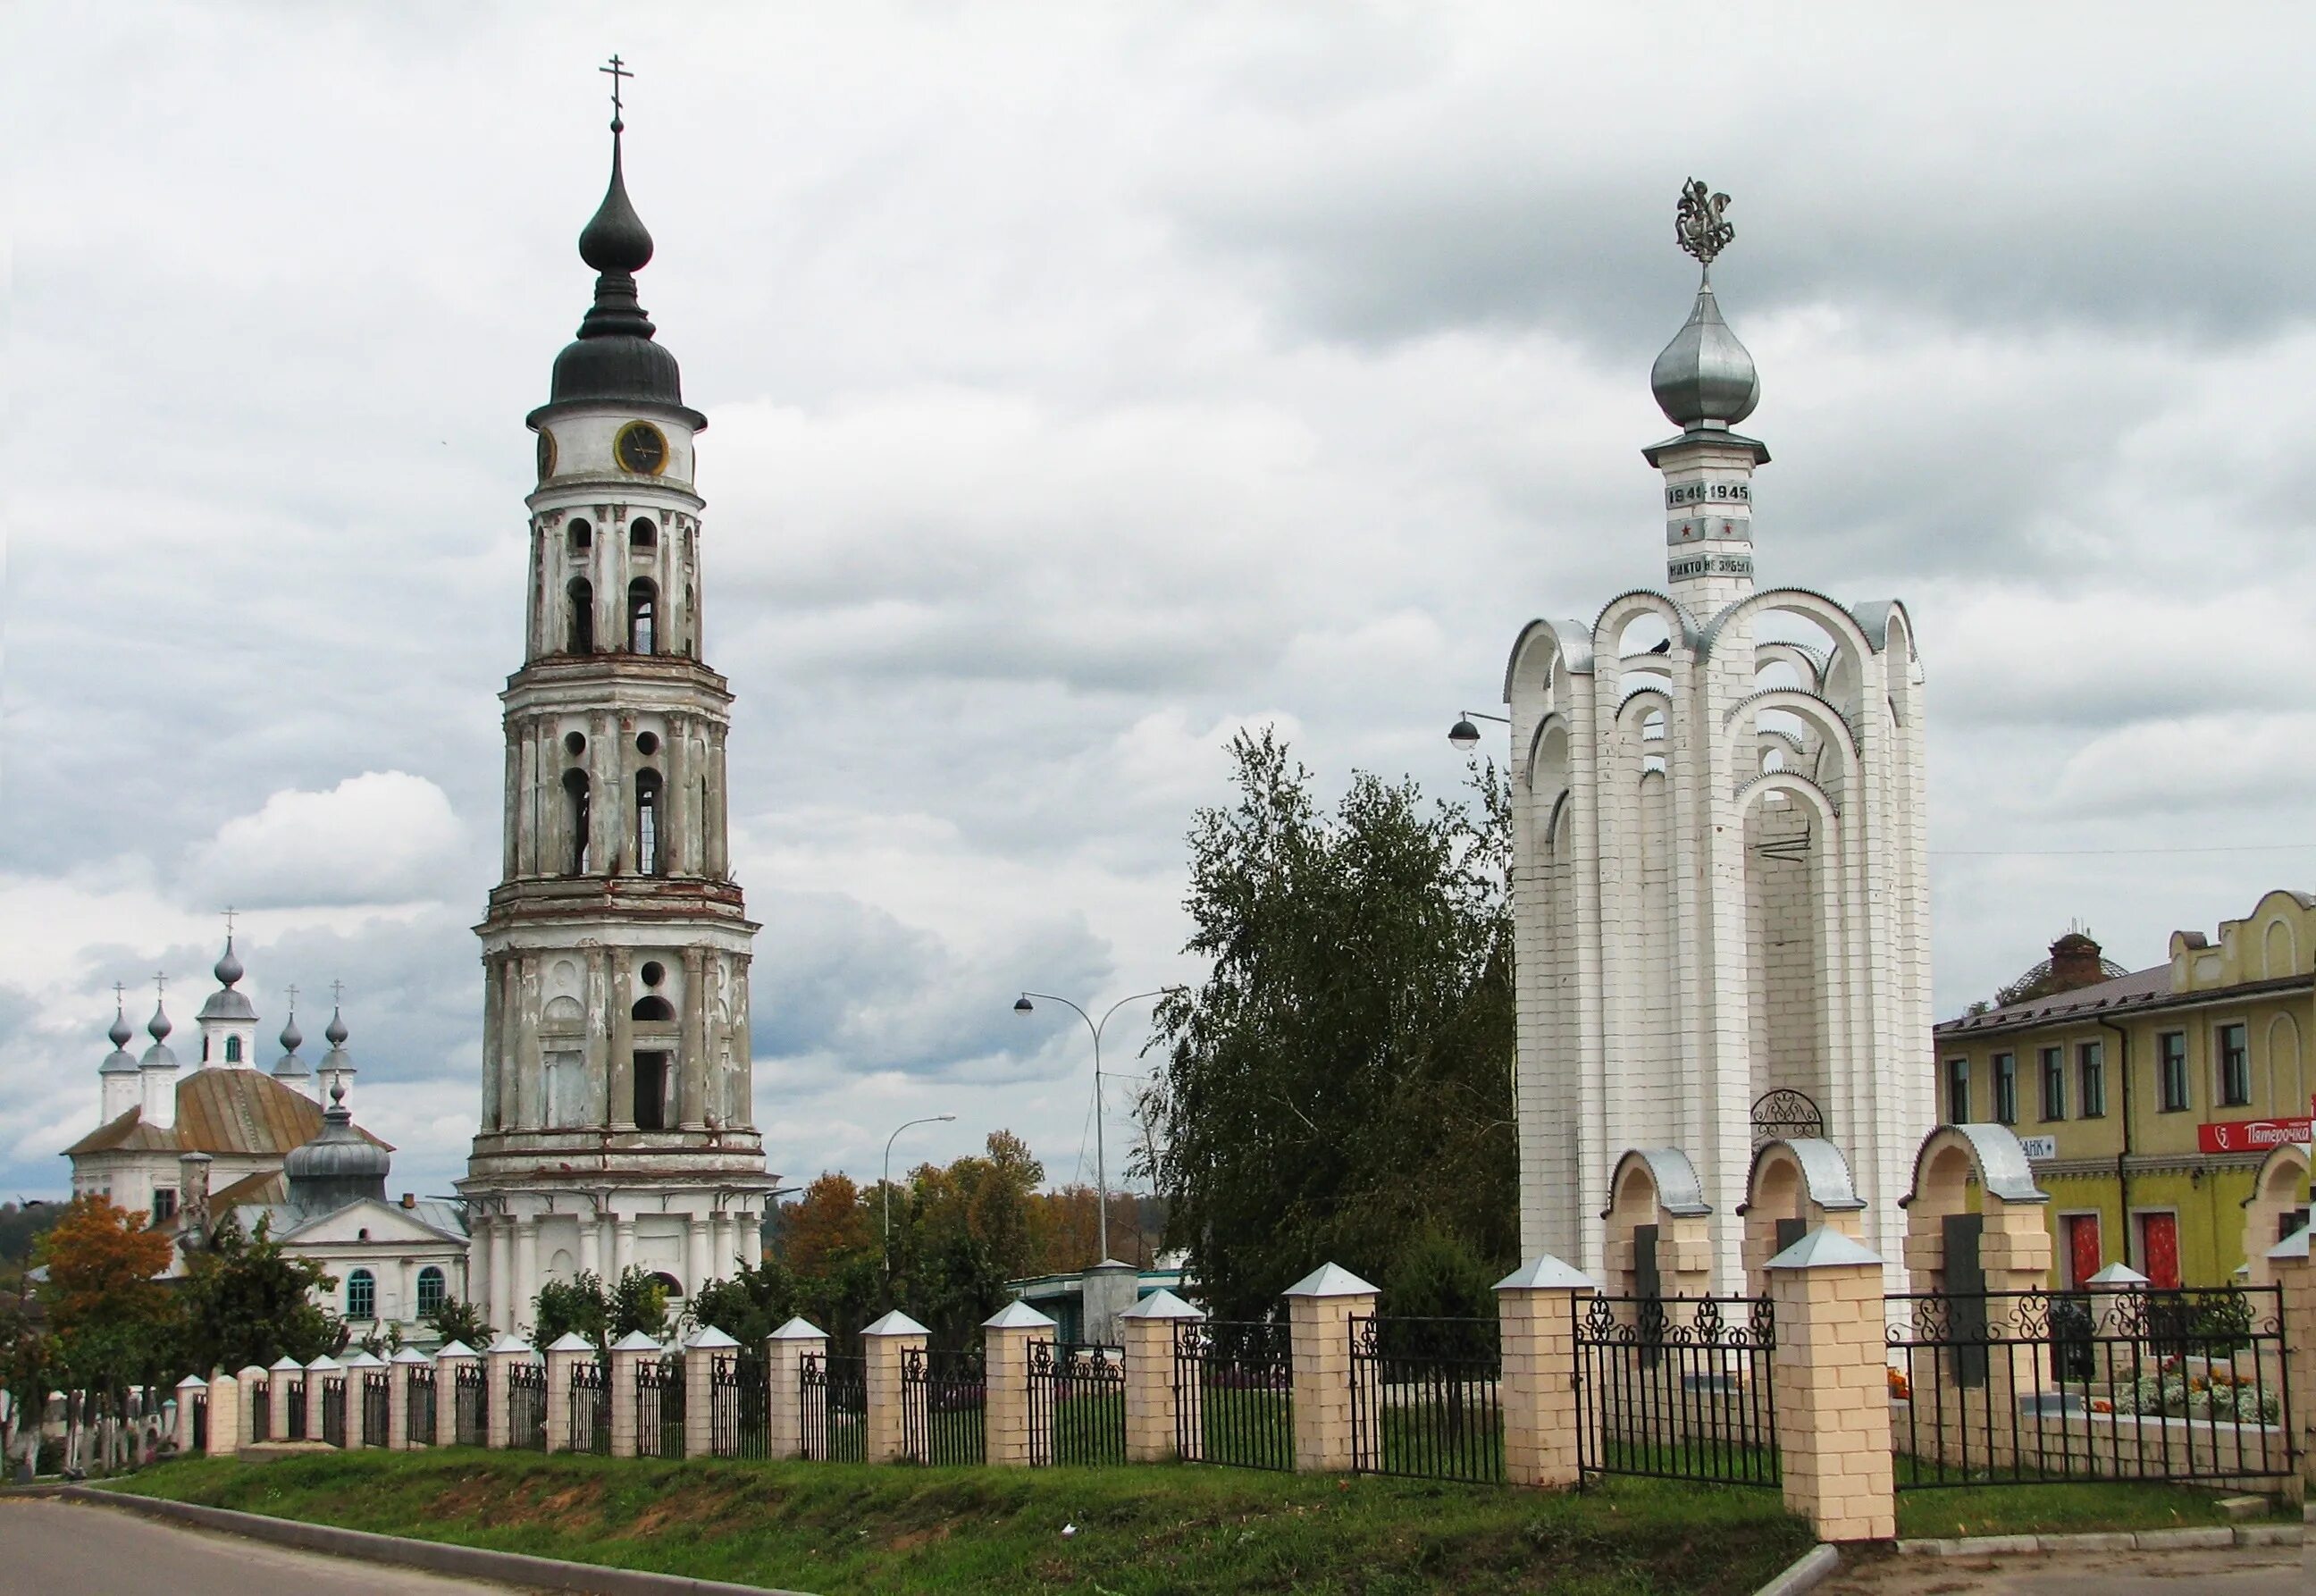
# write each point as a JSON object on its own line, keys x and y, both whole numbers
{"x": 340, "y": 1165}
{"x": 119, "y": 1061}
{"x": 1704, "y": 378}
{"x": 225, "y": 1002}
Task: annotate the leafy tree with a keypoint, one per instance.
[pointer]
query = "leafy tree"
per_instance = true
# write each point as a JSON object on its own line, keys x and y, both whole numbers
{"x": 457, "y": 1320}
{"x": 638, "y": 1302}
{"x": 247, "y": 1300}
{"x": 749, "y": 1305}
{"x": 584, "y": 1306}
{"x": 112, "y": 1322}
{"x": 1342, "y": 1081}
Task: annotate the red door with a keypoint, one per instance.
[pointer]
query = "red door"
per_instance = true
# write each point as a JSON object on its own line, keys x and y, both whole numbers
{"x": 2083, "y": 1256}
{"x": 2158, "y": 1249}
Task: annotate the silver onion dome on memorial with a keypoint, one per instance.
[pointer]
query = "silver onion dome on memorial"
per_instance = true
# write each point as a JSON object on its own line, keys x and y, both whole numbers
{"x": 1704, "y": 378}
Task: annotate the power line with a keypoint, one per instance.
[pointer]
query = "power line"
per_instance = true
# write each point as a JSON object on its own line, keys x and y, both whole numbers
{"x": 2109, "y": 852}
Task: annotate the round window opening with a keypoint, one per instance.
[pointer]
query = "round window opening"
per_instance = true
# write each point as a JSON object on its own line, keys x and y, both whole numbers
{"x": 647, "y": 743}
{"x": 362, "y": 1235}
{"x": 653, "y": 973}
{"x": 574, "y": 745}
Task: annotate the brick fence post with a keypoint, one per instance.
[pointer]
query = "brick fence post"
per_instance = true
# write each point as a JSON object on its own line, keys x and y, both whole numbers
{"x": 449, "y": 1360}
{"x": 563, "y": 1353}
{"x": 186, "y": 1389}
{"x": 2293, "y": 1270}
{"x": 1320, "y": 1308}
{"x": 785, "y": 1351}
{"x": 1147, "y": 1329}
{"x": 317, "y": 1375}
{"x": 227, "y": 1428}
{"x": 1833, "y": 1400}
{"x": 1005, "y": 1338}
{"x": 499, "y": 1362}
{"x": 887, "y": 1343}
{"x": 626, "y": 1359}
{"x": 1536, "y": 1306}
{"x": 358, "y": 1368}
{"x": 398, "y": 1369}
{"x": 699, "y": 1355}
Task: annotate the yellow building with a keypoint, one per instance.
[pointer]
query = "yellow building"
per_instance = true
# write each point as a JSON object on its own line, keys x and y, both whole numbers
{"x": 2147, "y": 1101}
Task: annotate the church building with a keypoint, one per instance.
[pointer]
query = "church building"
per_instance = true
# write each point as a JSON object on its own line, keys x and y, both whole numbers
{"x": 1720, "y": 884}
{"x": 618, "y": 1127}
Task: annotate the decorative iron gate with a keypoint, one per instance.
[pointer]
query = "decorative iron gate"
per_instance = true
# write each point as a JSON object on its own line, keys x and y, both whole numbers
{"x": 834, "y": 1395}
{"x": 740, "y": 1406}
{"x": 659, "y": 1407}
{"x": 376, "y": 1400}
{"x": 1233, "y": 1394}
{"x": 527, "y": 1406}
{"x": 259, "y": 1397}
{"x": 333, "y": 1411}
{"x": 471, "y": 1407}
{"x": 1424, "y": 1399}
{"x": 2035, "y": 1388}
{"x": 1077, "y": 1403}
{"x": 590, "y": 1409}
{"x": 1679, "y": 1387}
{"x": 943, "y": 1397}
{"x": 418, "y": 1410}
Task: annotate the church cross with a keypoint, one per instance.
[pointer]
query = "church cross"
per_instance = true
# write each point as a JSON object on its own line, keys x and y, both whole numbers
{"x": 337, "y": 993}
{"x": 160, "y": 985}
{"x": 230, "y": 913}
{"x": 617, "y": 71}
{"x": 293, "y": 1000}
{"x": 120, "y": 996}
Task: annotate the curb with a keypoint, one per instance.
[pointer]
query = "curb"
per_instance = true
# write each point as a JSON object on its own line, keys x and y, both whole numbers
{"x": 513, "y": 1568}
{"x": 1811, "y": 1569}
{"x": 2218, "y": 1538}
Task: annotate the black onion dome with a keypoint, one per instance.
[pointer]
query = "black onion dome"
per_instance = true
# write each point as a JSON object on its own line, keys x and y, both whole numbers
{"x": 615, "y": 239}
{"x": 614, "y": 357}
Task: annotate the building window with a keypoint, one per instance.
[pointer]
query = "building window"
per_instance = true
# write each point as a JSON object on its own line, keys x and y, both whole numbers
{"x": 647, "y": 822}
{"x": 583, "y": 539}
{"x": 431, "y": 1292}
{"x": 651, "y": 1091}
{"x": 2090, "y": 1065}
{"x": 643, "y": 616}
{"x": 1957, "y": 1091}
{"x": 582, "y": 595}
{"x": 2005, "y": 1089}
{"x": 233, "y": 1049}
{"x": 2171, "y": 1070}
{"x": 2054, "y": 1061}
{"x": 642, "y": 535}
{"x": 362, "y": 1295}
{"x": 2235, "y": 1067}
{"x": 165, "y": 1205}
{"x": 578, "y": 811}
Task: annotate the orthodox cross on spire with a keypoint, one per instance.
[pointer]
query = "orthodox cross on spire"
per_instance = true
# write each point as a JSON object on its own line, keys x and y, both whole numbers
{"x": 160, "y": 985}
{"x": 1698, "y": 225}
{"x": 293, "y": 1000}
{"x": 230, "y": 913}
{"x": 120, "y": 996}
{"x": 617, "y": 70}
{"x": 337, "y": 994}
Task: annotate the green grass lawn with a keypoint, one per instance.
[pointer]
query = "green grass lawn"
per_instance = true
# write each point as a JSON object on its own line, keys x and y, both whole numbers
{"x": 2057, "y": 1509}
{"x": 839, "y": 1528}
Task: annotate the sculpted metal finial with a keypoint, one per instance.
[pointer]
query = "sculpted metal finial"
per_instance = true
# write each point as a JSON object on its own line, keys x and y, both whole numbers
{"x": 1699, "y": 225}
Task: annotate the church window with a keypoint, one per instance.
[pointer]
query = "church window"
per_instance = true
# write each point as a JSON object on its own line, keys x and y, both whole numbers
{"x": 362, "y": 1295}
{"x": 647, "y": 743}
{"x": 643, "y": 617}
{"x": 652, "y": 1008}
{"x": 1957, "y": 1091}
{"x": 2090, "y": 1065}
{"x": 2235, "y": 1067}
{"x": 583, "y": 539}
{"x": 642, "y": 535}
{"x": 653, "y": 972}
{"x": 647, "y": 859}
{"x": 233, "y": 1049}
{"x": 431, "y": 1292}
{"x": 2054, "y": 1084}
{"x": 668, "y": 1283}
{"x": 2171, "y": 1068}
{"x": 578, "y": 813}
{"x": 581, "y": 594}
{"x": 651, "y": 1091}
{"x": 165, "y": 1205}
{"x": 2005, "y": 1089}
{"x": 205, "y": 1049}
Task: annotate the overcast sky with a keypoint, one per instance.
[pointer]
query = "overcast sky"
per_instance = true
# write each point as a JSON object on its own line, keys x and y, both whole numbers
{"x": 1086, "y": 382}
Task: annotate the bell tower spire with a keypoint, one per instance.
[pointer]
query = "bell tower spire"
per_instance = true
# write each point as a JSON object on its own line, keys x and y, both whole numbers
{"x": 617, "y": 1123}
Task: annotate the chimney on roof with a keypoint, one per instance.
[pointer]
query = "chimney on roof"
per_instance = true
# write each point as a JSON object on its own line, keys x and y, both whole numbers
{"x": 410, "y": 1199}
{"x": 2075, "y": 962}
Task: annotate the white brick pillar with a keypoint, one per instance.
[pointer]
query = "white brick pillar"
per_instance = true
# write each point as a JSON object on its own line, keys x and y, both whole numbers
{"x": 699, "y": 1355}
{"x": 1005, "y": 1409}
{"x": 564, "y": 1354}
{"x": 228, "y": 1429}
{"x": 1320, "y": 1308}
{"x": 447, "y": 1363}
{"x": 318, "y": 1372}
{"x": 887, "y": 1344}
{"x": 285, "y": 1390}
{"x": 784, "y": 1354}
{"x": 504, "y": 1354}
{"x": 398, "y": 1369}
{"x": 1147, "y": 1329}
{"x": 627, "y": 1357}
{"x": 188, "y": 1388}
{"x": 357, "y": 1372}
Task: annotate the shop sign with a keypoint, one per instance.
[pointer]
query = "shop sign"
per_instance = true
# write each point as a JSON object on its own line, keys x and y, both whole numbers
{"x": 2039, "y": 1147}
{"x": 2250, "y": 1136}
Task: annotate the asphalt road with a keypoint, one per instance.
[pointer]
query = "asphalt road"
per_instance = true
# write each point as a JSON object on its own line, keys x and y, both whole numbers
{"x": 2254, "y": 1571}
{"x": 63, "y": 1548}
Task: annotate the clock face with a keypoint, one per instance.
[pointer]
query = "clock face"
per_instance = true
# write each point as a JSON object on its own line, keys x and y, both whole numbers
{"x": 546, "y": 454}
{"x": 641, "y": 449}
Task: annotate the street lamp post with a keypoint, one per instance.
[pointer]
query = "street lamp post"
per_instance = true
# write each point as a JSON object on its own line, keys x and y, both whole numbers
{"x": 1101, "y": 1166}
{"x": 887, "y": 1181}
{"x": 1465, "y": 735}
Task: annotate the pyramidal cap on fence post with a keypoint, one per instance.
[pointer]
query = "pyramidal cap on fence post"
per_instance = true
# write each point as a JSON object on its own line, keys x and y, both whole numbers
{"x": 1832, "y": 1406}
{"x": 1537, "y": 1308}
{"x": 499, "y": 1362}
{"x": 1320, "y": 1308}
{"x": 785, "y": 1351}
{"x": 887, "y": 1343}
{"x": 627, "y": 1360}
{"x": 1005, "y": 1338}
{"x": 1152, "y": 1411}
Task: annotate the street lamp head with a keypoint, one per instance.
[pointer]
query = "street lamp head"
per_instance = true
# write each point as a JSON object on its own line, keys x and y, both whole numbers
{"x": 1463, "y": 735}
{"x": 944, "y": 1119}
{"x": 1022, "y": 1005}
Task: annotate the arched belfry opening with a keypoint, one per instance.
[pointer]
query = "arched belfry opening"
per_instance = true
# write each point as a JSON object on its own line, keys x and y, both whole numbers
{"x": 578, "y": 822}
{"x": 579, "y": 636}
{"x": 643, "y": 616}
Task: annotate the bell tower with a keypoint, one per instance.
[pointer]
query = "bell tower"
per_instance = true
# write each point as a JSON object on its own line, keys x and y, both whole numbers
{"x": 617, "y": 1126}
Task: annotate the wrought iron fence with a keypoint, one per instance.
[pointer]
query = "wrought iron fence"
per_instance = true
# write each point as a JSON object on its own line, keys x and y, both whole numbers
{"x": 943, "y": 1399}
{"x": 201, "y": 1405}
{"x": 833, "y": 1393}
{"x": 527, "y": 1406}
{"x": 740, "y": 1408}
{"x": 1679, "y": 1387}
{"x": 418, "y": 1410}
{"x": 2035, "y": 1388}
{"x": 300, "y": 1404}
{"x": 333, "y": 1411}
{"x": 659, "y": 1407}
{"x": 1077, "y": 1403}
{"x": 1233, "y": 1394}
{"x": 376, "y": 1400}
{"x": 590, "y": 1407}
{"x": 1425, "y": 1398}
{"x": 259, "y": 1397}
{"x": 470, "y": 1405}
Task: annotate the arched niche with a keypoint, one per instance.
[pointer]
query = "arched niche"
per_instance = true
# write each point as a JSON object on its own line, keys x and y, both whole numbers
{"x": 1794, "y": 1187}
{"x": 2279, "y": 1194}
{"x": 1542, "y": 656}
{"x": 1975, "y": 1220}
{"x": 1657, "y": 1241}
{"x": 1641, "y": 623}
